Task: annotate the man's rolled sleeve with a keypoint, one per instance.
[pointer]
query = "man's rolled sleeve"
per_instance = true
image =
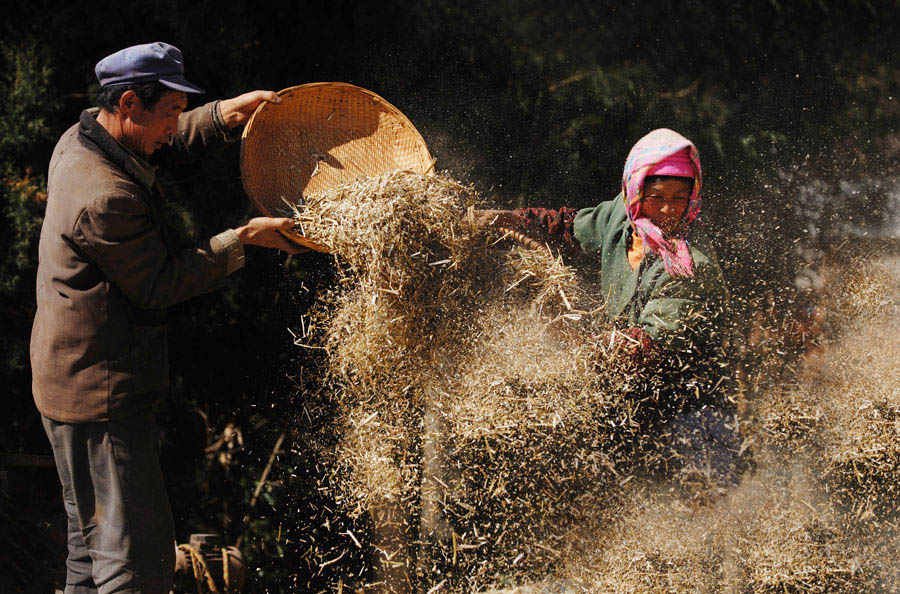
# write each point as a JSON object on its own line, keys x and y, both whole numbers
{"x": 228, "y": 134}
{"x": 200, "y": 131}
{"x": 228, "y": 242}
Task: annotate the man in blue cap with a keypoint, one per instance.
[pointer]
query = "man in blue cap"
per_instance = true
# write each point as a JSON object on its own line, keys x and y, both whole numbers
{"x": 109, "y": 267}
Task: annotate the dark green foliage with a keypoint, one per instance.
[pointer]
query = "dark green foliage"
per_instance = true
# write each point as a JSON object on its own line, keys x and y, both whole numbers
{"x": 28, "y": 103}
{"x": 536, "y": 103}
{"x": 26, "y": 109}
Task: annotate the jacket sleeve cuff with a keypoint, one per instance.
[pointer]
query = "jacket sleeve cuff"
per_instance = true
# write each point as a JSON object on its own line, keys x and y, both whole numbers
{"x": 228, "y": 242}
{"x": 229, "y": 134}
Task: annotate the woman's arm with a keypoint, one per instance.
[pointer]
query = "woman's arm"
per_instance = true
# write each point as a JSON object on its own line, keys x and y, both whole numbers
{"x": 551, "y": 227}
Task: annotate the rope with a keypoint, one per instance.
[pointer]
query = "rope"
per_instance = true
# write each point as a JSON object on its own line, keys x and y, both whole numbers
{"x": 521, "y": 238}
{"x": 225, "y": 580}
{"x": 201, "y": 570}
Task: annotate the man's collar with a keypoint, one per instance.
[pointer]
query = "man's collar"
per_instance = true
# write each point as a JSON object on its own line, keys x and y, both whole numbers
{"x": 136, "y": 167}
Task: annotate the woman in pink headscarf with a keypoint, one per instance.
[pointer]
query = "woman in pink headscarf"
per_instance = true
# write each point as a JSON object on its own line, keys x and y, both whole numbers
{"x": 664, "y": 293}
{"x": 659, "y": 275}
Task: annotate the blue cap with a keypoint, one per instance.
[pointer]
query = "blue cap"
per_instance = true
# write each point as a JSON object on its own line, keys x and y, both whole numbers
{"x": 144, "y": 63}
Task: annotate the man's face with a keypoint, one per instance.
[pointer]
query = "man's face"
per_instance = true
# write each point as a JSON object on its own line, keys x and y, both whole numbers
{"x": 146, "y": 130}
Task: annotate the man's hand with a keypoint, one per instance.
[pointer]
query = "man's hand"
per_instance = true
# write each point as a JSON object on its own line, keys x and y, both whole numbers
{"x": 265, "y": 232}
{"x": 237, "y": 110}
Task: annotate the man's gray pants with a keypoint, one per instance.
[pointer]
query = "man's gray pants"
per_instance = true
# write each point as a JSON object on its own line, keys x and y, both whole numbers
{"x": 121, "y": 533}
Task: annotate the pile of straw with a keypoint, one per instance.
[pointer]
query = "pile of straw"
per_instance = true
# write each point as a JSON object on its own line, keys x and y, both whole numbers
{"x": 818, "y": 513}
{"x": 475, "y": 425}
{"x": 489, "y": 444}
{"x": 845, "y": 409}
{"x": 773, "y": 533}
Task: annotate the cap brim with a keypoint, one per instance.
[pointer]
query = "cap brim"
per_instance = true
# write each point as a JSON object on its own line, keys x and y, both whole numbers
{"x": 179, "y": 83}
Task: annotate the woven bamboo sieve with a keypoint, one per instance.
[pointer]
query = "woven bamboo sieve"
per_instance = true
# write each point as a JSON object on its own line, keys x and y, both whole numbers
{"x": 320, "y": 136}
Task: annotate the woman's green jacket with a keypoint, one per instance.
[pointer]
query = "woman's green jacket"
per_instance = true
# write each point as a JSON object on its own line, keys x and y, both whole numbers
{"x": 686, "y": 314}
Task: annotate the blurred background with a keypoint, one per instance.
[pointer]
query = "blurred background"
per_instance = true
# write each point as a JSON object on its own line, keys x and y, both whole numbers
{"x": 793, "y": 106}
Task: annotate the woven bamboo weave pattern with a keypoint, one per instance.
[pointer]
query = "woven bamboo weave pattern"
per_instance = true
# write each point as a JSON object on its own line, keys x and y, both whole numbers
{"x": 320, "y": 136}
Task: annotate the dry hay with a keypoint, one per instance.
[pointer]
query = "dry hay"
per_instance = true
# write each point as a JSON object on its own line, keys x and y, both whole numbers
{"x": 488, "y": 451}
{"x": 471, "y": 426}
{"x": 845, "y": 407}
{"x": 772, "y": 533}
{"x": 819, "y": 513}
{"x": 862, "y": 281}
{"x": 528, "y": 447}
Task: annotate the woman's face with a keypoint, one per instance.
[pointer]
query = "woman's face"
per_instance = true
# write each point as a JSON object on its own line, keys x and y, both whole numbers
{"x": 665, "y": 201}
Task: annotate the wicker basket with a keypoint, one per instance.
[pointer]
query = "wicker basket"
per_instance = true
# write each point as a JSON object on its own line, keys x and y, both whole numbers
{"x": 322, "y": 135}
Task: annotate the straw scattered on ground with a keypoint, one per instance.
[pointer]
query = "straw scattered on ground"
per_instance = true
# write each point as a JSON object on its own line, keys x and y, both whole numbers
{"x": 772, "y": 533}
{"x": 844, "y": 410}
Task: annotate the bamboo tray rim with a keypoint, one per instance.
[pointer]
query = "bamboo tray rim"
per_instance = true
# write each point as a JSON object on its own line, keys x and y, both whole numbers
{"x": 404, "y": 121}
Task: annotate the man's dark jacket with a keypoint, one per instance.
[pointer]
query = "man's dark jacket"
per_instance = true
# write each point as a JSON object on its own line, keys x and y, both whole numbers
{"x": 109, "y": 266}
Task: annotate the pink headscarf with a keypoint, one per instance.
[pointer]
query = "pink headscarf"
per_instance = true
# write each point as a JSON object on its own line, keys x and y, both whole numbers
{"x": 663, "y": 152}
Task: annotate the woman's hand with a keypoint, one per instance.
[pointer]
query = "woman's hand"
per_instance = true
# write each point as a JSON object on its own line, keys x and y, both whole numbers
{"x": 267, "y": 232}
